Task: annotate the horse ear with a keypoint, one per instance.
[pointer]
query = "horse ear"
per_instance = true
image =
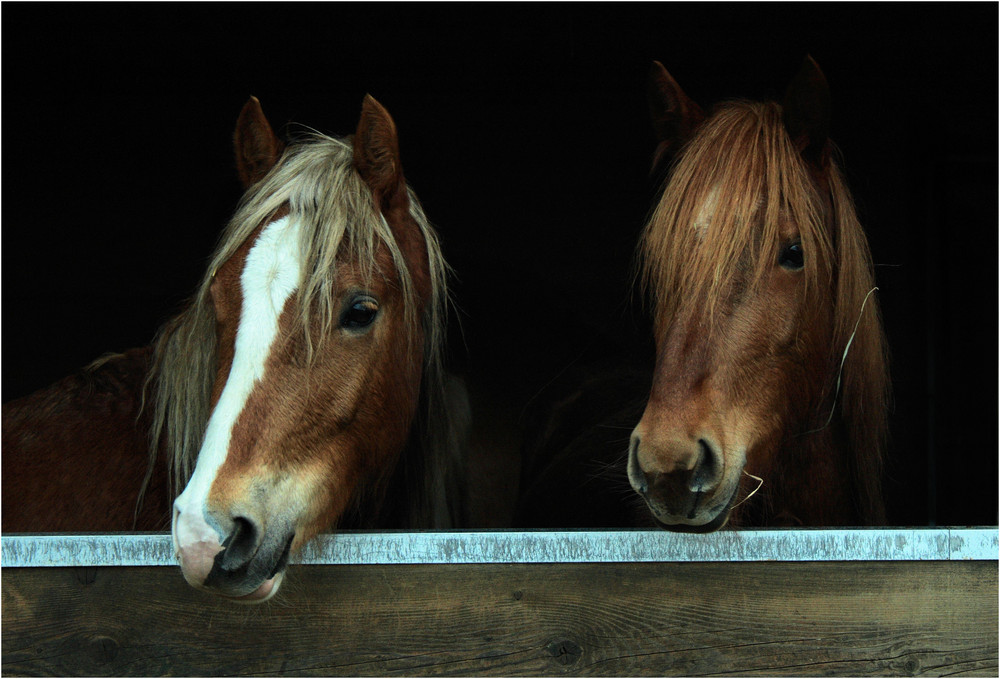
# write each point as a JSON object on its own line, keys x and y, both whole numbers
{"x": 806, "y": 112}
{"x": 376, "y": 156}
{"x": 674, "y": 115}
{"x": 257, "y": 147}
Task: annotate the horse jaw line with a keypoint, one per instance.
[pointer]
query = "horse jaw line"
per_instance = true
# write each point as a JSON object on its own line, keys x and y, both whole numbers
{"x": 270, "y": 276}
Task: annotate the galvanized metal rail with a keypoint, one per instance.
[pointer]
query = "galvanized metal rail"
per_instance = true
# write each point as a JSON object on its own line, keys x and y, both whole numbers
{"x": 493, "y": 547}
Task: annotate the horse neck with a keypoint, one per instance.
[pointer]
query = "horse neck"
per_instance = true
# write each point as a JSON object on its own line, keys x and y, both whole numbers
{"x": 114, "y": 383}
{"x": 126, "y": 378}
{"x": 98, "y": 412}
{"x": 815, "y": 483}
{"x": 816, "y": 479}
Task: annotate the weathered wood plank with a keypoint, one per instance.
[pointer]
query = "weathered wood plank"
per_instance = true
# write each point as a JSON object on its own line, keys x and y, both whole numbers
{"x": 633, "y": 619}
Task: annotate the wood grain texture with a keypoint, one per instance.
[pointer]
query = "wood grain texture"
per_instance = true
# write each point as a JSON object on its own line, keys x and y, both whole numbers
{"x": 864, "y": 618}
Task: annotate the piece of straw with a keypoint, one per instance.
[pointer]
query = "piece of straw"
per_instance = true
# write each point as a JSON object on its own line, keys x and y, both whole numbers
{"x": 760, "y": 482}
{"x": 843, "y": 359}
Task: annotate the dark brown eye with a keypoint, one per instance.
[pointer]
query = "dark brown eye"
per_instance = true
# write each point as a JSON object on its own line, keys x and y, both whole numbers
{"x": 359, "y": 314}
{"x": 792, "y": 257}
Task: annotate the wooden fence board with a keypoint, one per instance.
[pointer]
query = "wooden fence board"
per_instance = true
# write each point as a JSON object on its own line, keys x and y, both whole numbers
{"x": 899, "y": 618}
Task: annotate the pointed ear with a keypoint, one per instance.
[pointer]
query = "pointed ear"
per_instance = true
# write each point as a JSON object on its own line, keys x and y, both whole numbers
{"x": 806, "y": 112}
{"x": 257, "y": 147}
{"x": 376, "y": 157}
{"x": 675, "y": 116}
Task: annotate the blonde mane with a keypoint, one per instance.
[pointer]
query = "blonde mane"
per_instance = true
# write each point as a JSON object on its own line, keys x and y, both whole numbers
{"x": 742, "y": 162}
{"x": 316, "y": 182}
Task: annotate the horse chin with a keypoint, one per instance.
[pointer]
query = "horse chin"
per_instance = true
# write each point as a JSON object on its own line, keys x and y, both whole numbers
{"x": 685, "y": 525}
{"x": 267, "y": 590}
{"x": 715, "y": 524}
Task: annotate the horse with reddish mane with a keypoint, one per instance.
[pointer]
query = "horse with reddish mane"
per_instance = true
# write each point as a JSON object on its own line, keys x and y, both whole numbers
{"x": 767, "y": 401}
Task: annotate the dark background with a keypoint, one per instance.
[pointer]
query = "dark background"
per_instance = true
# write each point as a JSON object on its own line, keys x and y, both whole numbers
{"x": 524, "y": 131}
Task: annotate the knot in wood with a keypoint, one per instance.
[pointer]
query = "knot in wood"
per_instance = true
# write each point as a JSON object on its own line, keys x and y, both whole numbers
{"x": 564, "y": 651}
{"x": 103, "y": 649}
{"x": 86, "y": 575}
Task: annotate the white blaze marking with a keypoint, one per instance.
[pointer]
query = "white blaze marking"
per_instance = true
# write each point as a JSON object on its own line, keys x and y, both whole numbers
{"x": 706, "y": 212}
{"x": 270, "y": 276}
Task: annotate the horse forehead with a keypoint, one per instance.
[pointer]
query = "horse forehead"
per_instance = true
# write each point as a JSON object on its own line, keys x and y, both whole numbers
{"x": 705, "y": 212}
{"x": 260, "y": 274}
{"x": 708, "y": 205}
{"x": 273, "y": 264}
{"x": 269, "y": 277}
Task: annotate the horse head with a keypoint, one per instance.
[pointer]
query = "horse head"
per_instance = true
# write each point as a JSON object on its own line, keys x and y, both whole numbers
{"x": 317, "y": 299}
{"x": 758, "y": 270}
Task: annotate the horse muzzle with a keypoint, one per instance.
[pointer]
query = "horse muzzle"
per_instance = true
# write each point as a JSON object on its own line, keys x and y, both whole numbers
{"x": 241, "y": 562}
{"x": 684, "y": 484}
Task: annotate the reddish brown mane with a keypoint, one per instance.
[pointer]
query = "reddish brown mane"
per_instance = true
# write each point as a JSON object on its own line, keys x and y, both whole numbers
{"x": 742, "y": 161}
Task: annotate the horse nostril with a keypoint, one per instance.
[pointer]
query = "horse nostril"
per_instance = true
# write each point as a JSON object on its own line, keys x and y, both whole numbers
{"x": 241, "y": 545}
{"x": 707, "y": 471}
{"x": 637, "y": 477}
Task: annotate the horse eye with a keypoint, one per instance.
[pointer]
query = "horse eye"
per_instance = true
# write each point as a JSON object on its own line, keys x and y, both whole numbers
{"x": 792, "y": 257}
{"x": 360, "y": 314}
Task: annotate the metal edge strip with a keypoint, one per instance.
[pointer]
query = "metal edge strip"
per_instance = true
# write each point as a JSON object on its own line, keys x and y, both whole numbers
{"x": 496, "y": 547}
